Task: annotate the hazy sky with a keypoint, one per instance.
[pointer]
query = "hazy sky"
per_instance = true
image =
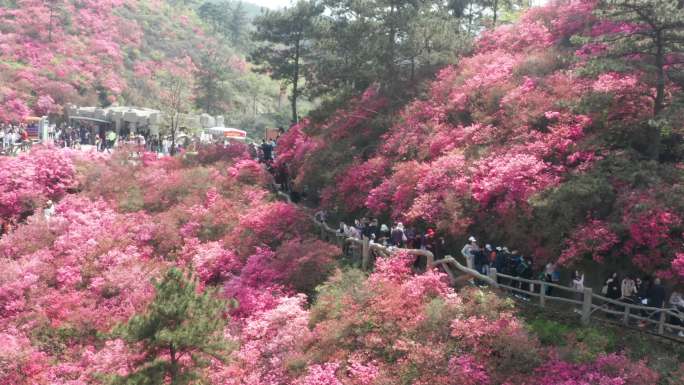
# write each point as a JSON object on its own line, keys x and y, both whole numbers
{"x": 273, "y": 4}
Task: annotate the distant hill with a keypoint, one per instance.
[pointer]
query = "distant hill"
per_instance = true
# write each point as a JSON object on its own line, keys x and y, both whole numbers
{"x": 252, "y": 10}
{"x": 125, "y": 52}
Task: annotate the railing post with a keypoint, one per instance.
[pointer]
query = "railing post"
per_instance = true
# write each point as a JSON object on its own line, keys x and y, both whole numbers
{"x": 661, "y": 322}
{"x": 492, "y": 273}
{"x": 365, "y": 254}
{"x": 586, "y": 306}
{"x": 625, "y": 317}
{"x": 542, "y": 294}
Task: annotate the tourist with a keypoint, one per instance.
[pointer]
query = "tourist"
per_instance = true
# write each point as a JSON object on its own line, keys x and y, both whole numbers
{"x": 111, "y": 138}
{"x": 428, "y": 240}
{"x": 677, "y": 304}
{"x": 656, "y": 294}
{"x": 500, "y": 262}
{"x": 479, "y": 259}
{"x": 467, "y": 251}
{"x": 578, "y": 285}
{"x": 49, "y": 210}
{"x": 611, "y": 287}
{"x": 384, "y": 236}
{"x": 410, "y": 234}
{"x": 374, "y": 228}
{"x": 549, "y": 275}
{"x": 491, "y": 257}
{"x": 397, "y": 236}
{"x": 272, "y": 143}
{"x": 321, "y": 216}
{"x": 628, "y": 287}
{"x": 266, "y": 149}
{"x": 342, "y": 229}
{"x": 440, "y": 246}
{"x": 2, "y": 137}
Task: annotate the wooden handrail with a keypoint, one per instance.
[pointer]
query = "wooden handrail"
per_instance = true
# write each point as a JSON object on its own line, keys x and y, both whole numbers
{"x": 430, "y": 258}
{"x": 453, "y": 262}
{"x": 448, "y": 263}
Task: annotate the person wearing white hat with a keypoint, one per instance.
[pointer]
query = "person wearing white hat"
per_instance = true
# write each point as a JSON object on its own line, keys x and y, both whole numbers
{"x": 397, "y": 236}
{"x": 468, "y": 251}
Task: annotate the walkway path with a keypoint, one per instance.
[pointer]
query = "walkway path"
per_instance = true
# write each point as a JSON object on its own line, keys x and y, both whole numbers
{"x": 585, "y": 302}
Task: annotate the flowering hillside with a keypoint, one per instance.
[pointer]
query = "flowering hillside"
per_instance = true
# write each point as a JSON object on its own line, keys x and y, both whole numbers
{"x": 71, "y": 279}
{"x": 552, "y": 136}
{"x": 100, "y": 52}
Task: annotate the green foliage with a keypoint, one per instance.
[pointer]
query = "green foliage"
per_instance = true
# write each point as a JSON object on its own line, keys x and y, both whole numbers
{"x": 549, "y": 332}
{"x": 557, "y": 211}
{"x": 378, "y": 41}
{"x": 179, "y": 333}
{"x": 132, "y": 200}
{"x": 575, "y": 342}
{"x": 329, "y": 298}
{"x": 585, "y": 344}
{"x": 56, "y": 340}
{"x": 228, "y": 18}
{"x": 285, "y": 33}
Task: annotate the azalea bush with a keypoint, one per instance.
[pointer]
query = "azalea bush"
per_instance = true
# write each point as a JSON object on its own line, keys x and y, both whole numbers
{"x": 70, "y": 280}
{"x": 29, "y": 180}
{"x": 539, "y": 138}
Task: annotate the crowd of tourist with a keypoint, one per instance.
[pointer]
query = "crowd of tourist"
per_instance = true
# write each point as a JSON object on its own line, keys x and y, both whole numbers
{"x": 106, "y": 140}
{"x": 628, "y": 289}
{"x": 14, "y": 138}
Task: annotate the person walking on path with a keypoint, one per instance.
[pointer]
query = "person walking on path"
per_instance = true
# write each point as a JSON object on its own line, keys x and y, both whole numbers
{"x": 111, "y": 138}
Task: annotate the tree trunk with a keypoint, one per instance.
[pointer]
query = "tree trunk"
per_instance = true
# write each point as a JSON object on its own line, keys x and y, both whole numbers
{"x": 413, "y": 68}
{"x": 391, "y": 48}
{"x": 495, "y": 8}
{"x": 50, "y": 26}
{"x": 659, "y": 104}
{"x": 660, "y": 75}
{"x": 172, "y": 150}
{"x": 174, "y": 364}
{"x": 295, "y": 81}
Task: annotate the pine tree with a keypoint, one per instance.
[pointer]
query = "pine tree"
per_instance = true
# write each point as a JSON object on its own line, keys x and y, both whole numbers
{"x": 647, "y": 36}
{"x": 650, "y": 30}
{"x": 285, "y": 33}
{"x": 178, "y": 334}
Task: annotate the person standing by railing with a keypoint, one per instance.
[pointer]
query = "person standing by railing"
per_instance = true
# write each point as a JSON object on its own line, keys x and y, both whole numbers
{"x": 549, "y": 273}
{"x": 628, "y": 288}
{"x": 656, "y": 294}
{"x": 397, "y": 236}
{"x": 468, "y": 252}
{"x": 578, "y": 284}
{"x": 677, "y": 305}
{"x": 2, "y": 137}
